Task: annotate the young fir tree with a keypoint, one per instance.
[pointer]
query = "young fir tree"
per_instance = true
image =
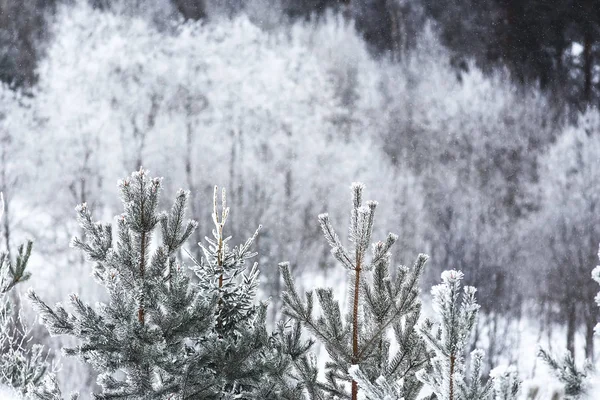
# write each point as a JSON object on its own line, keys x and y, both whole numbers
{"x": 575, "y": 380}
{"x": 359, "y": 345}
{"x": 22, "y": 367}
{"x": 506, "y": 383}
{"x": 249, "y": 363}
{"x": 222, "y": 270}
{"x": 162, "y": 336}
{"x": 139, "y": 340}
{"x": 446, "y": 375}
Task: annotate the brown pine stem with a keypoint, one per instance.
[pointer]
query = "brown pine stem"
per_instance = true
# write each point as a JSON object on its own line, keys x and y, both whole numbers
{"x": 141, "y": 311}
{"x": 355, "y": 350}
{"x": 220, "y": 264}
{"x": 452, "y": 364}
{"x": 354, "y": 390}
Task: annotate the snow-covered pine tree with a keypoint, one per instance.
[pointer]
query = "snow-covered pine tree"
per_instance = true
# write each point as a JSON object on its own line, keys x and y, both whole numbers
{"x": 359, "y": 345}
{"x": 222, "y": 270}
{"x": 248, "y": 362}
{"x": 446, "y": 375}
{"x": 162, "y": 336}
{"x": 22, "y": 367}
{"x": 506, "y": 382}
{"x": 574, "y": 379}
{"x": 139, "y": 340}
{"x": 13, "y": 273}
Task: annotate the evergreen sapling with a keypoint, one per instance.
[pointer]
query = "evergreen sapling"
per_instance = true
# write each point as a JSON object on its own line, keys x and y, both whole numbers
{"x": 248, "y": 362}
{"x": 358, "y": 344}
{"x": 506, "y": 382}
{"x": 138, "y": 341}
{"x": 447, "y": 375}
{"x": 223, "y": 271}
{"x": 24, "y": 368}
{"x": 575, "y": 380}
{"x": 162, "y": 336}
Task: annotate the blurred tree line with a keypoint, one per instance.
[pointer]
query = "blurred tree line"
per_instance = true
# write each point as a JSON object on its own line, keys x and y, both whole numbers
{"x": 549, "y": 43}
{"x": 23, "y": 30}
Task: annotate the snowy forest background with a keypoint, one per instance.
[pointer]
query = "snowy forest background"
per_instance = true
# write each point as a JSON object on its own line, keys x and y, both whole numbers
{"x": 474, "y": 123}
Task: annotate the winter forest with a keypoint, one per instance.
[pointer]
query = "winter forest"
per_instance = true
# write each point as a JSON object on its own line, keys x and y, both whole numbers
{"x": 299, "y": 199}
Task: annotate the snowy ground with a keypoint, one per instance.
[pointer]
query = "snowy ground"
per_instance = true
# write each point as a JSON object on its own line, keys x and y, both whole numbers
{"x": 7, "y": 393}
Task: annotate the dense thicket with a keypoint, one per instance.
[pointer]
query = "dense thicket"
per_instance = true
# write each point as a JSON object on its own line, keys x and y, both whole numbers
{"x": 381, "y": 303}
{"x": 550, "y": 44}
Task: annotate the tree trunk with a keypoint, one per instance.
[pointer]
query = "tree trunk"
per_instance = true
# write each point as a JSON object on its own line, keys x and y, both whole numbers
{"x": 191, "y": 9}
{"x": 571, "y": 327}
{"x": 233, "y": 166}
{"x": 589, "y": 340}
{"x": 452, "y": 366}
{"x": 4, "y": 189}
{"x": 590, "y": 323}
{"x": 189, "y": 175}
{"x": 587, "y": 66}
{"x": 493, "y": 336}
{"x": 397, "y": 32}
{"x": 6, "y": 223}
{"x": 345, "y": 6}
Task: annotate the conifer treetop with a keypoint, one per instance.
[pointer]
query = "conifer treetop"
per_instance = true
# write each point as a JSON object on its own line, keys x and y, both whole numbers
{"x": 456, "y": 311}
{"x": 142, "y": 330}
{"x": 358, "y": 344}
{"x": 506, "y": 382}
{"x": 223, "y": 270}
